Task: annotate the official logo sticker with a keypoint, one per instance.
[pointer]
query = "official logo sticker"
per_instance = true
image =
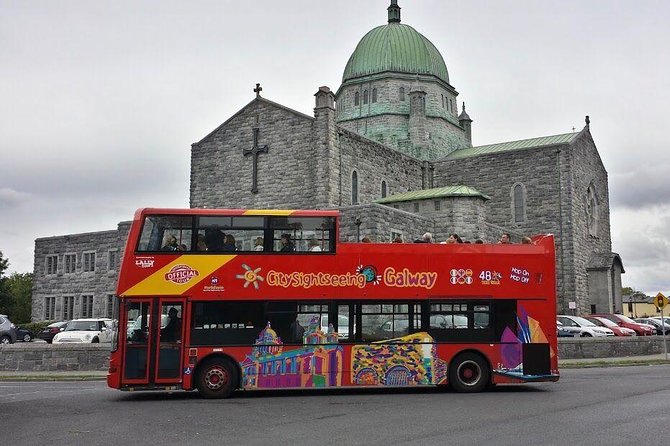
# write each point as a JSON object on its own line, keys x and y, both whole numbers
{"x": 181, "y": 274}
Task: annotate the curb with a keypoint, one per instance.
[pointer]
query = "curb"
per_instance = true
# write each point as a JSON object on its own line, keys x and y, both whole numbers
{"x": 52, "y": 377}
{"x": 606, "y": 363}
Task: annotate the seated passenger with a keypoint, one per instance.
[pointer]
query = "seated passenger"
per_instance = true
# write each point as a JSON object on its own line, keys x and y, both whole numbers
{"x": 214, "y": 239}
{"x": 200, "y": 244}
{"x": 170, "y": 243}
{"x": 505, "y": 239}
{"x": 258, "y": 244}
{"x": 313, "y": 245}
{"x": 229, "y": 243}
{"x": 527, "y": 241}
{"x": 286, "y": 244}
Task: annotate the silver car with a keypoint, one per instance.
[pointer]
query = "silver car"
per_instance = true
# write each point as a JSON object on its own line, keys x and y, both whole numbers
{"x": 7, "y": 332}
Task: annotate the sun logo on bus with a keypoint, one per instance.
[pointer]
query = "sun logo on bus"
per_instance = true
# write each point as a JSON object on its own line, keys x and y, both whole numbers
{"x": 250, "y": 276}
{"x": 370, "y": 274}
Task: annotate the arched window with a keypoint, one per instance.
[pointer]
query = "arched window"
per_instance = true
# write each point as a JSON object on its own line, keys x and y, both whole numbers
{"x": 401, "y": 93}
{"x": 365, "y": 96}
{"x": 519, "y": 203}
{"x": 354, "y": 187}
{"x": 383, "y": 189}
{"x": 357, "y": 99}
{"x": 592, "y": 210}
{"x": 374, "y": 95}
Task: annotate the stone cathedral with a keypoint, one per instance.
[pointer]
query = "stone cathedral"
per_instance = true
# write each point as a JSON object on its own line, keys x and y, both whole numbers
{"x": 392, "y": 150}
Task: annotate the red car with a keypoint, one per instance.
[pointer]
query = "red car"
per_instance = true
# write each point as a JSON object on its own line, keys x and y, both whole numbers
{"x": 604, "y": 322}
{"x": 624, "y": 321}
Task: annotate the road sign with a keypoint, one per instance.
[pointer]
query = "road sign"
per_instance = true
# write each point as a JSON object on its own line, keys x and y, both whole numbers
{"x": 660, "y": 301}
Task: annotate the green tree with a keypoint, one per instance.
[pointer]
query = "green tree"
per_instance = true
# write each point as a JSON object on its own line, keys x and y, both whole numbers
{"x": 20, "y": 289}
{"x": 5, "y": 299}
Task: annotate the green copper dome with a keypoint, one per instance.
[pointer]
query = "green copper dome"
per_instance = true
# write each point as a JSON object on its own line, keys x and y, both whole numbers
{"x": 395, "y": 47}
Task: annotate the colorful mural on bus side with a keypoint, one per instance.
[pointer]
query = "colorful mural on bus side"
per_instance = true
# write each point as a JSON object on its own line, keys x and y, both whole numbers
{"x": 409, "y": 360}
{"x": 529, "y": 331}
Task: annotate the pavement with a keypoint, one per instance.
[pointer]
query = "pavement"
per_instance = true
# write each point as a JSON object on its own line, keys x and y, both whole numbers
{"x": 562, "y": 364}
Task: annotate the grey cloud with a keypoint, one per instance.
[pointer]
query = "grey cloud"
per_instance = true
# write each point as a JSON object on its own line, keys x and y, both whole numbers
{"x": 10, "y": 197}
{"x": 644, "y": 187}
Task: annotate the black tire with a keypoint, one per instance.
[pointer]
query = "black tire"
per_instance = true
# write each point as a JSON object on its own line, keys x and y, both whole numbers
{"x": 586, "y": 335}
{"x": 216, "y": 378}
{"x": 4, "y": 339}
{"x": 27, "y": 337}
{"x": 469, "y": 373}
{"x": 95, "y": 341}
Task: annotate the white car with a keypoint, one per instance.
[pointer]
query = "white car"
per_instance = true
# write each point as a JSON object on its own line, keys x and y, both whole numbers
{"x": 86, "y": 330}
{"x": 582, "y": 327}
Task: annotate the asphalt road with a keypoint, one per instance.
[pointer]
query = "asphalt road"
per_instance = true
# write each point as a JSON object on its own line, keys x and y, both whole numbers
{"x": 599, "y": 406}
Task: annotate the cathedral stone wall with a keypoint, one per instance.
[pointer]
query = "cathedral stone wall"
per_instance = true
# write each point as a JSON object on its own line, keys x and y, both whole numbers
{"x": 221, "y": 175}
{"x": 101, "y": 283}
{"x": 586, "y": 169}
{"x": 380, "y": 222}
{"x": 465, "y": 216}
{"x": 373, "y": 164}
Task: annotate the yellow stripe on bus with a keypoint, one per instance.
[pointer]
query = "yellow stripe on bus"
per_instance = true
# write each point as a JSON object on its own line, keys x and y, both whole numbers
{"x": 268, "y": 212}
{"x": 159, "y": 283}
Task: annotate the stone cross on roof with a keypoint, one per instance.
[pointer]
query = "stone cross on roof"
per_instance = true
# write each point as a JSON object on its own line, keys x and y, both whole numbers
{"x": 258, "y": 90}
{"x": 255, "y": 151}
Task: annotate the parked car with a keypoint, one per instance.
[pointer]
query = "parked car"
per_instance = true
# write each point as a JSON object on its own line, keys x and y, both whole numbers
{"x": 603, "y": 322}
{"x": 7, "y": 332}
{"x": 656, "y": 323}
{"x": 582, "y": 327}
{"x": 625, "y": 321}
{"x": 85, "y": 330}
{"x": 23, "y": 334}
{"x": 48, "y": 333}
{"x": 563, "y": 332}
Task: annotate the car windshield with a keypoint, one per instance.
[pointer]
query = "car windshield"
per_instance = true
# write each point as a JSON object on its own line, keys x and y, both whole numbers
{"x": 82, "y": 326}
{"x": 626, "y": 319}
{"x": 583, "y": 322}
{"x": 606, "y": 322}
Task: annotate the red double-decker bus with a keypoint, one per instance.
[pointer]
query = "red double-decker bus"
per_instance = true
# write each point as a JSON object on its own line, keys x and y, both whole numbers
{"x": 220, "y": 300}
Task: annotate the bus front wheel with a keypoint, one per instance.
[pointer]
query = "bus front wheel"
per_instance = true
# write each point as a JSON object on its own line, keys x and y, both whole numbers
{"x": 469, "y": 373}
{"x": 216, "y": 378}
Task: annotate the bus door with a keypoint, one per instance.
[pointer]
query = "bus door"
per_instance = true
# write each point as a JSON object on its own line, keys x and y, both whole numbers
{"x": 169, "y": 345}
{"x": 153, "y": 347}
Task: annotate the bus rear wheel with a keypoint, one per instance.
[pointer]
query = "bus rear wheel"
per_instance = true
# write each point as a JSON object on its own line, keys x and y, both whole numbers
{"x": 469, "y": 373}
{"x": 216, "y": 378}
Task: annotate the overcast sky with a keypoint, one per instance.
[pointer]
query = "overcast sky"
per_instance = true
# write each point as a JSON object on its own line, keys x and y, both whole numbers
{"x": 101, "y": 100}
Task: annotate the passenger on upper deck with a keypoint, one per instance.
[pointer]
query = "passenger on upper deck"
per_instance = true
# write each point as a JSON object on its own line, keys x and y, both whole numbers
{"x": 170, "y": 243}
{"x": 229, "y": 243}
{"x": 200, "y": 244}
{"x": 258, "y": 244}
{"x": 286, "y": 244}
{"x": 214, "y": 239}
{"x": 505, "y": 238}
{"x": 313, "y": 245}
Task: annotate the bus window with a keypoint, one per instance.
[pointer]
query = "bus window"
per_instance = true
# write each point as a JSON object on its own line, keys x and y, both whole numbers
{"x": 233, "y": 323}
{"x": 242, "y": 233}
{"x": 384, "y": 321}
{"x": 165, "y": 233}
{"x": 305, "y": 233}
{"x": 282, "y": 317}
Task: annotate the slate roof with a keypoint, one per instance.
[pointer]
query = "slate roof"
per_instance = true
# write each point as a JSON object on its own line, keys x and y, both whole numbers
{"x": 604, "y": 261}
{"x": 438, "y": 192}
{"x": 543, "y": 141}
